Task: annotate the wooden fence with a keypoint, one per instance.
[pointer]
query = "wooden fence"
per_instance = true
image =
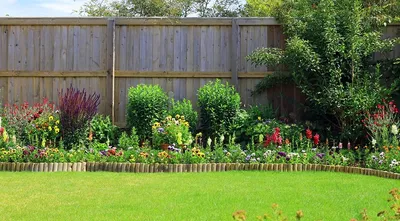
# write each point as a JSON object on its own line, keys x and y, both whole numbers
{"x": 40, "y": 56}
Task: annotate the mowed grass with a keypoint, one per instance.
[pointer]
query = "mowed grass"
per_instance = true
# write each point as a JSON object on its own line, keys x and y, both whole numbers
{"x": 189, "y": 196}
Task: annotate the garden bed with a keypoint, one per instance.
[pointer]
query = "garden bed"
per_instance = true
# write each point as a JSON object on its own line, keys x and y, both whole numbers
{"x": 183, "y": 168}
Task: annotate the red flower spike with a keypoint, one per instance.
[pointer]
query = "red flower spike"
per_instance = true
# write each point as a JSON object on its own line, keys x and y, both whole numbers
{"x": 316, "y": 139}
{"x": 308, "y": 134}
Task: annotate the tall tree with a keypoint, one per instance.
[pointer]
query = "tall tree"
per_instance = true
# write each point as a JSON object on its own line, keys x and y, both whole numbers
{"x": 171, "y": 8}
{"x": 261, "y": 8}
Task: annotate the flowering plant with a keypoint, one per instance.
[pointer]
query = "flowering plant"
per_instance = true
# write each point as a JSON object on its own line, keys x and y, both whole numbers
{"x": 172, "y": 131}
{"x": 44, "y": 131}
{"x": 18, "y": 117}
{"x": 382, "y": 125}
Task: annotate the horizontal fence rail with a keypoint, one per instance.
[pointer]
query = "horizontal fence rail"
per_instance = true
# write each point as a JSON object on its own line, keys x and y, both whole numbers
{"x": 41, "y": 56}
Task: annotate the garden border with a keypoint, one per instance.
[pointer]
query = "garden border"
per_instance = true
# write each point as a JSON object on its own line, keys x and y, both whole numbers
{"x": 183, "y": 168}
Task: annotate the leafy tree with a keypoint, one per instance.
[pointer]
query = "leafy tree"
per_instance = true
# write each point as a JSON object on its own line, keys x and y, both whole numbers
{"x": 261, "y": 8}
{"x": 329, "y": 49}
{"x": 171, "y": 8}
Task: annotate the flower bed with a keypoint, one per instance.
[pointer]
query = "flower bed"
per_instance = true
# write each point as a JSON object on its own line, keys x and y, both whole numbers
{"x": 183, "y": 168}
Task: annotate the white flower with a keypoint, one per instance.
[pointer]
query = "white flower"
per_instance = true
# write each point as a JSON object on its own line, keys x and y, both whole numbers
{"x": 395, "y": 131}
{"x": 373, "y": 142}
{"x": 209, "y": 142}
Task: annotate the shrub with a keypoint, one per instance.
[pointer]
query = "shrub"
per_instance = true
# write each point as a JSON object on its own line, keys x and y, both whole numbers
{"x": 329, "y": 49}
{"x": 103, "y": 131}
{"x": 146, "y": 104}
{"x": 18, "y": 117}
{"x": 185, "y": 108}
{"x": 219, "y": 104}
{"x": 127, "y": 141}
{"x": 77, "y": 109}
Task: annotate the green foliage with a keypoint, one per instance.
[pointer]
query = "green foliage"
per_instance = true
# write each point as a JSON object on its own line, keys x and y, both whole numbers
{"x": 185, "y": 108}
{"x": 160, "y": 8}
{"x": 103, "y": 130}
{"x": 146, "y": 104}
{"x": 98, "y": 146}
{"x": 261, "y": 8}
{"x": 127, "y": 141}
{"x": 328, "y": 52}
{"x": 219, "y": 104}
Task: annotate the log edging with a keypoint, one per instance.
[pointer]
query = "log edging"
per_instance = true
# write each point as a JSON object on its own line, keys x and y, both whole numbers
{"x": 187, "y": 168}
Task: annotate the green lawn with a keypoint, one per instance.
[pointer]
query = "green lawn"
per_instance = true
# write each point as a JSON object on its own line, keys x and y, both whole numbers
{"x": 188, "y": 196}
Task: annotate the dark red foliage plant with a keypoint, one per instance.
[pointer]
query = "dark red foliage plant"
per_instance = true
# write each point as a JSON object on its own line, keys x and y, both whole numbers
{"x": 77, "y": 109}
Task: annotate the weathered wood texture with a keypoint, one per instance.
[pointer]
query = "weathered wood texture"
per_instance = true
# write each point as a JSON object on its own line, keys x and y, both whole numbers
{"x": 40, "y": 56}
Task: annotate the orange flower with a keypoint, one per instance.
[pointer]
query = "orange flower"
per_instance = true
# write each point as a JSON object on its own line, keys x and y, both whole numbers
{"x": 287, "y": 142}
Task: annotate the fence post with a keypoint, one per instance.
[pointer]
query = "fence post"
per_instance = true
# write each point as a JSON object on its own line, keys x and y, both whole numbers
{"x": 235, "y": 56}
{"x": 110, "y": 82}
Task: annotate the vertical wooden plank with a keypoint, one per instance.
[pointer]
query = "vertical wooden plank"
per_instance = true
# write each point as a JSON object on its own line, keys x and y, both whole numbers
{"x": 122, "y": 48}
{"x": 210, "y": 49}
{"x": 110, "y": 68}
{"x": 177, "y": 47}
{"x": 76, "y": 47}
{"x": 156, "y": 52}
{"x": 216, "y": 66}
{"x": 235, "y": 55}
{"x": 170, "y": 48}
{"x": 3, "y": 47}
{"x": 197, "y": 30}
{"x": 96, "y": 45}
{"x": 57, "y": 48}
{"x": 203, "y": 49}
{"x": 163, "y": 48}
{"x": 135, "y": 31}
{"x": 143, "y": 48}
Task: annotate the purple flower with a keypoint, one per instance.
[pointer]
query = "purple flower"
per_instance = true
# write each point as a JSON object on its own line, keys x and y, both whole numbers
{"x": 381, "y": 161}
{"x": 160, "y": 130}
{"x": 103, "y": 152}
{"x": 248, "y": 158}
{"x": 282, "y": 154}
{"x": 287, "y": 158}
{"x": 320, "y": 155}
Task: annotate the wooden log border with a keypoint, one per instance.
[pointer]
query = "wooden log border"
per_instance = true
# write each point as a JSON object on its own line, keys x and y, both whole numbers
{"x": 184, "y": 168}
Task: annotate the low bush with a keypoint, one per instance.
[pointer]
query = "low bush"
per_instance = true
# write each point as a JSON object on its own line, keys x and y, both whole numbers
{"x": 102, "y": 130}
{"x": 219, "y": 104}
{"x": 129, "y": 141}
{"x": 76, "y": 112}
{"x": 146, "y": 104}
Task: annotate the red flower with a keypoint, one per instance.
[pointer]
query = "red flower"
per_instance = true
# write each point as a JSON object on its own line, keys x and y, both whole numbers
{"x": 111, "y": 151}
{"x": 316, "y": 139}
{"x": 308, "y": 134}
{"x": 1, "y": 131}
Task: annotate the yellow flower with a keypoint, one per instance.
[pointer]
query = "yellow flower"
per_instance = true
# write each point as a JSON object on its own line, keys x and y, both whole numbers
{"x": 50, "y": 129}
{"x": 57, "y": 122}
{"x": 177, "y": 116}
{"x": 259, "y": 118}
{"x": 51, "y": 118}
{"x": 56, "y": 130}
{"x": 5, "y": 136}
